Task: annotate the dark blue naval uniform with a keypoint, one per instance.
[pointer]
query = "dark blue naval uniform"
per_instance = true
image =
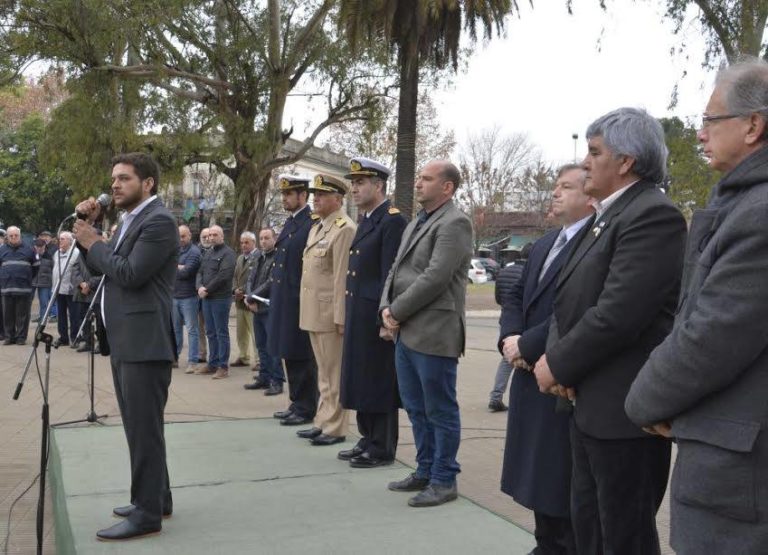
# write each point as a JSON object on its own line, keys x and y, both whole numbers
{"x": 368, "y": 379}
{"x": 284, "y": 338}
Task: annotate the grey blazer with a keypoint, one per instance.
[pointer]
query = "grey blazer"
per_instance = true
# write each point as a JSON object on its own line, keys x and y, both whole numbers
{"x": 427, "y": 284}
{"x": 709, "y": 378}
{"x": 139, "y": 286}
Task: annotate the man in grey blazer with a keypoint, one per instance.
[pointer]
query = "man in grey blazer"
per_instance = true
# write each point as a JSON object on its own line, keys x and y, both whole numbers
{"x": 705, "y": 385}
{"x": 422, "y": 307}
{"x": 139, "y": 265}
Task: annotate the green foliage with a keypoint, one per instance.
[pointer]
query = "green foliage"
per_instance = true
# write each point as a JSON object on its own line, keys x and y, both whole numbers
{"x": 690, "y": 178}
{"x": 29, "y": 197}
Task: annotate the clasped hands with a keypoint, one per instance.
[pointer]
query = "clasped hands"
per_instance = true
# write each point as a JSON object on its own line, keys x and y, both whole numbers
{"x": 387, "y": 332}
{"x": 547, "y": 382}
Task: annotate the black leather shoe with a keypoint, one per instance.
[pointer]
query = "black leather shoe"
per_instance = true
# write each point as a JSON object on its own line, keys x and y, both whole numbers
{"x": 367, "y": 461}
{"x": 281, "y": 414}
{"x": 349, "y": 454}
{"x": 411, "y": 483}
{"x": 497, "y": 406}
{"x": 274, "y": 389}
{"x": 324, "y": 439}
{"x": 8, "y": 342}
{"x": 256, "y": 384}
{"x": 125, "y": 511}
{"x": 126, "y": 530}
{"x": 21, "y": 342}
{"x": 434, "y": 495}
{"x": 309, "y": 434}
{"x": 295, "y": 420}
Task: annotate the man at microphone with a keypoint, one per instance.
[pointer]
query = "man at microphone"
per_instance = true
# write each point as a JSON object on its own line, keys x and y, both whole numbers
{"x": 139, "y": 265}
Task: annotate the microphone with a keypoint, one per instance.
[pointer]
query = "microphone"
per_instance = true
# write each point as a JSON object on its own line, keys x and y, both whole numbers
{"x": 104, "y": 200}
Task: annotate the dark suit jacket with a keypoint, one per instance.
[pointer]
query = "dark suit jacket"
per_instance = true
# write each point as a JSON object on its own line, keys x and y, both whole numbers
{"x": 368, "y": 381}
{"x": 537, "y": 453}
{"x": 615, "y": 302}
{"x": 284, "y": 338}
{"x": 138, "y": 295}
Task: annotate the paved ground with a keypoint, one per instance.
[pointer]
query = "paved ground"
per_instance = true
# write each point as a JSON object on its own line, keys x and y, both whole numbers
{"x": 200, "y": 398}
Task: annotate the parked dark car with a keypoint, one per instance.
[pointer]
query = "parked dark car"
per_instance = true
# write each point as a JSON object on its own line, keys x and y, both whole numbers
{"x": 491, "y": 267}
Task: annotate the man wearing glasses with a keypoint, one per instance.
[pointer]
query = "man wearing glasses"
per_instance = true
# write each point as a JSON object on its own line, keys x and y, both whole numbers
{"x": 705, "y": 384}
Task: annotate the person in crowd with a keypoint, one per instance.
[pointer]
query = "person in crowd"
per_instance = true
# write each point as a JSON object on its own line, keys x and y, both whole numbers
{"x": 43, "y": 281}
{"x": 202, "y": 356}
{"x": 270, "y": 377}
{"x": 704, "y": 385}
{"x": 284, "y": 337}
{"x": 214, "y": 287}
{"x": 2, "y": 325}
{"x": 536, "y": 430}
{"x": 368, "y": 378}
{"x": 185, "y": 300}
{"x": 422, "y": 306}
{"x": 69, "y": 312}
{"x": 322, "y": 303}
{"x": 615, "y": 302}
{"x": 244, "y": 317}
{"x": 84, "y": 286}
{"x": 139, "y": 265}
{"x": 505, "y": 282}
{"x": 18, "y": 268}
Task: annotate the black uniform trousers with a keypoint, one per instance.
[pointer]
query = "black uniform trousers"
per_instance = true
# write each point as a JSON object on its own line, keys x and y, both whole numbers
{"x": 142, "y": 391}
{"x": 617, "y": 486}
{"x": 379, "y": 431}
{"x": 554, "y": 535}
{"x": 302, "y": 386}
{"x": 16, "y": 316}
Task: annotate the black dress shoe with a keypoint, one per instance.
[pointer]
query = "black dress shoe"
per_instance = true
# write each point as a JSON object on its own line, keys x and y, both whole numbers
{"x": 295, "y": 420}
{"x": 434, "y": 495}
{"x": 349, "y": 454}
{"x": 309, "y": 434}
{"x": 126, "y": 530}
{"x": 367, "y": 461}
{"x": 497, "y": 406}
{"x": 256, "y": 384}
{"x": 281, "y": 414}
{"x": 411, "y": 483}
{"x": 325, "y": 439}
{"x": 125, "y": 511}
{"x": 274, "y": 389}
{"x": 21, "y": 342}
{"x": 8, "y": 342}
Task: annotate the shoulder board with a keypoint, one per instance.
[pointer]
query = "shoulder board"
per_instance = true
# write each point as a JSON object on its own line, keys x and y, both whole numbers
{"x": 314, "y": 216}
{"x": 393, "y": 210}
{"x": 340, "y": 222}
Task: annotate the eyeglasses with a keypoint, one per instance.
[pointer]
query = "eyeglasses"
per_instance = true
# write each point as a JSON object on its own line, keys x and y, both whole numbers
{"x": 706, "y": 121}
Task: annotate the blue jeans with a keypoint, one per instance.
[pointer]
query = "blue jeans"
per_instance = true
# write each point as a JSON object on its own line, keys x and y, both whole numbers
{"x": 271, "y": 368}
{"x": 216, "y": 314}
{"x": 44, "y": 296}
{"x": 185, "y": 314}
{"x": 428, "y": 390}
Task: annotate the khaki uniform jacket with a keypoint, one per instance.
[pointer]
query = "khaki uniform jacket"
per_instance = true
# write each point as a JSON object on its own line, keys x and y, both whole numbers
{"x": 326, "y": 257}
{"x": 242, "y": 271}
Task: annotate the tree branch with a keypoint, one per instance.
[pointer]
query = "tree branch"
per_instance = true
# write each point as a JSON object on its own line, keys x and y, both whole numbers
{"x": 149, "y": 71}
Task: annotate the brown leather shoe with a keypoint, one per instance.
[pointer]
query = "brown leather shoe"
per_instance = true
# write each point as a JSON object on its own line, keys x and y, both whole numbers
{"x": 239, "y": 362}
{"x": 221, "y": 373}
{"x": 203, "y": 368}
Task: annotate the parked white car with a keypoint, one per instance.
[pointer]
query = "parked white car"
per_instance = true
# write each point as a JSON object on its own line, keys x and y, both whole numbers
{"x": 476, "y": 272}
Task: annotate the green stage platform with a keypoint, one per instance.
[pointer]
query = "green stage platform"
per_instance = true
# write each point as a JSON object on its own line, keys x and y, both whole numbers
{"x": 252, "y": 486}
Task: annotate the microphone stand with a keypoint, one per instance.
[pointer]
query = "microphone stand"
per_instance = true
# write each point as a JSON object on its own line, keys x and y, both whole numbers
{"x": 89, "y": 320}
{"x": 47, "y": 340}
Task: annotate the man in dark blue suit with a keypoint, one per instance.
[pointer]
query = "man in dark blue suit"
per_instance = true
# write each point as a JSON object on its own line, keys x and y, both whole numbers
{"x": 368, "y": 376}
{"x": 285, "y": 339}
{"x": 537, "y": 454}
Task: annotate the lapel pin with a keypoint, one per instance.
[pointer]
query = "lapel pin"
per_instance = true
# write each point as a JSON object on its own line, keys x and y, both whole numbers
{"x": 598, "y": 229}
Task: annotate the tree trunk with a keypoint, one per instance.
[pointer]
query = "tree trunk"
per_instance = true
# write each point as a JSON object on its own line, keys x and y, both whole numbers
{"x": 406, "y": 129}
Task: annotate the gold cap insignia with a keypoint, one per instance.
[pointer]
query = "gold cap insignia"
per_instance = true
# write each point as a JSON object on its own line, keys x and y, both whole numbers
{"x": 355, "y": 166}
{"x": 394, "y": 210}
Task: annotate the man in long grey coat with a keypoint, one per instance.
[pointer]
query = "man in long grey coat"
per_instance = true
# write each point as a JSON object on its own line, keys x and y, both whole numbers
{"x": 422, "y": 305}
{"x": 706, "y": 384}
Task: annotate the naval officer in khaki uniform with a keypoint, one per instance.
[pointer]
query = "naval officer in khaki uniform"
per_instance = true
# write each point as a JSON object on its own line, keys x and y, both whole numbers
{"x": 322, "y": 303}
